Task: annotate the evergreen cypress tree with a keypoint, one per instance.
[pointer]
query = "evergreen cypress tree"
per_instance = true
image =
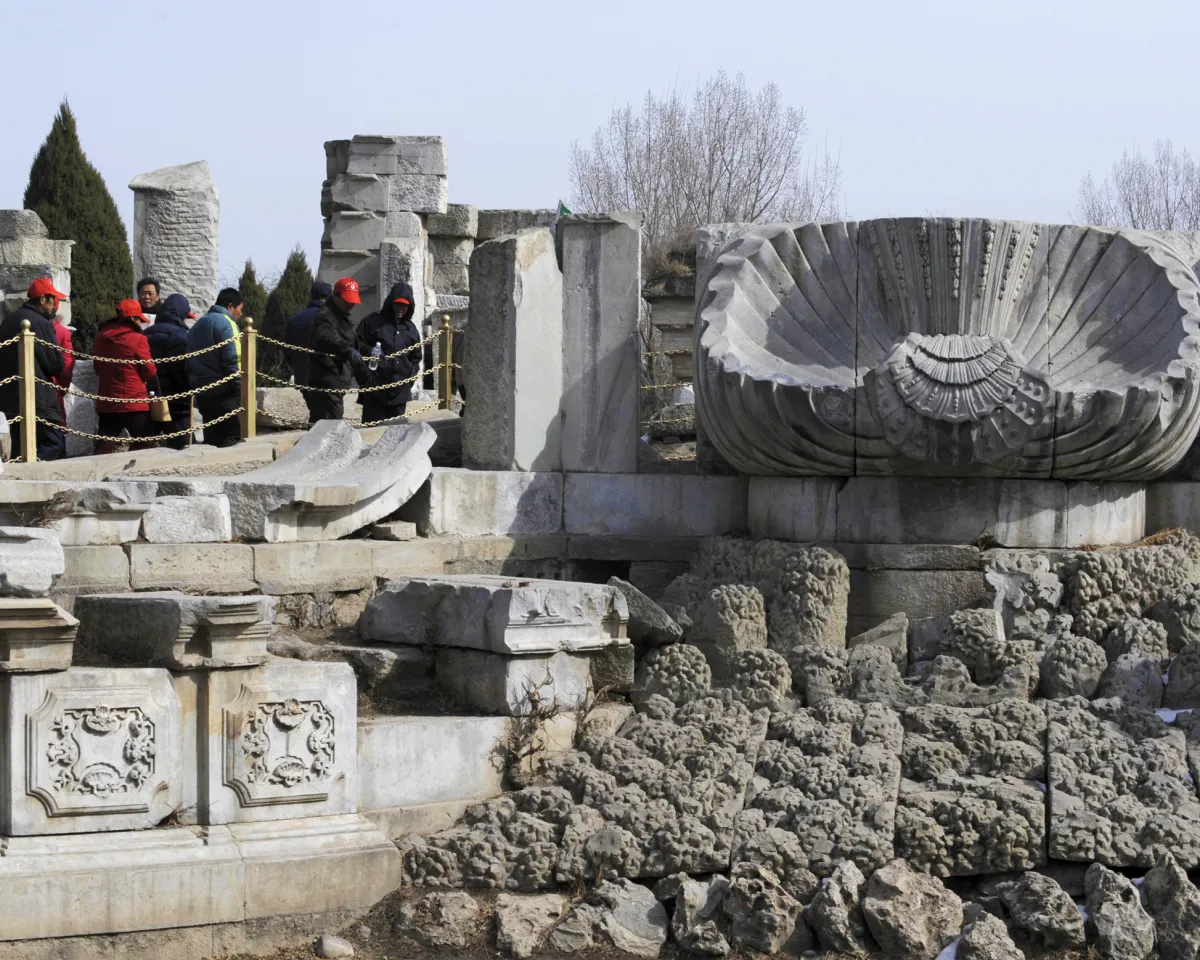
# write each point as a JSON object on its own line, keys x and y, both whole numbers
{"x": 289, "y": 297}
{"x": 254, "y": 294}
{"x": 69, "y": 194}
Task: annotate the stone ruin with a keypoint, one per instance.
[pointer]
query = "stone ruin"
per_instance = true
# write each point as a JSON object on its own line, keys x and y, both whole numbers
{"x": 26, "y": 253}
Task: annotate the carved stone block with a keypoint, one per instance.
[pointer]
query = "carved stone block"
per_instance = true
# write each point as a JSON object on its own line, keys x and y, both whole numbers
{"x": 90, "y": 749}
{"x": 280, "y": 742}
{"x": 35, "y": 635}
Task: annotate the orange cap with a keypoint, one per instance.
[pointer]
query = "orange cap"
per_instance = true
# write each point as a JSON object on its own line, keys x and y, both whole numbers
{"x": 129, "y": 308}
{"x": 347, "y": 289}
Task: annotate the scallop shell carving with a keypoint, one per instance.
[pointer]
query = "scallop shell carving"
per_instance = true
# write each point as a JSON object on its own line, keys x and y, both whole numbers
{"x": 950, "y": 347}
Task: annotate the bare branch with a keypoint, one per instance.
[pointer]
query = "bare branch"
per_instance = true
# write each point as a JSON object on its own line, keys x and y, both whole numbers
{"x": 1159, "y": 193}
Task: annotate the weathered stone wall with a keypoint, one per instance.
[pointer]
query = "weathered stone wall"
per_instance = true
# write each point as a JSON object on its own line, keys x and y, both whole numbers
{"x": 27, "y": 253}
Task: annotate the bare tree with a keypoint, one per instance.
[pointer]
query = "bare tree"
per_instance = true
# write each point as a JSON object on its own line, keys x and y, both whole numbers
{"x": 1159, "y": 193}
{"x": 723, "y": 154}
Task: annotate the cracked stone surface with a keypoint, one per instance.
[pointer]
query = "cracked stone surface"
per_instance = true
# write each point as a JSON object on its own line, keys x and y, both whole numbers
{"x": 1134, "y": 680}
{"x": 1072, "y": 667}
{"x": 910, "y": 914}
{"x": 1179, "y": 613}
{"x": 1121, "y": 793}
{"x": 1174, "y": 904}
{"x": 678, "y": 672}
{"x": 732, "y": 619}
{"x": 1118, "y": 926}
{"x": 762, "y": 915}
{"x": 761, "y": 678}
{"x": 1042, "y": 914}
{"x": 986, "y": 938}
{"x": 1183, "y": 679}
{"x": 835, "y": 913}
{"x": 1136, "y": 635}
{"x": 439, "y": 919}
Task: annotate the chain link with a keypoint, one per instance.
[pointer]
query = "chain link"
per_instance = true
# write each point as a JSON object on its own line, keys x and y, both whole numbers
{"x": 11, "y": 341}
{"x": 345, "y": 390}
{"x": 322, "y": 353}
{"x": 149, "y": 439}
{"x": 666, "y": 386}
{"x": 170, "y": 396}
{"x": 79, "y": 355}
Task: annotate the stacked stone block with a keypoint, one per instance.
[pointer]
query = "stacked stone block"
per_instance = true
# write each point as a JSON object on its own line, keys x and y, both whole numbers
{"x": 451, "y": 242}
{"x": 378, "y": 191}
{"x": 26, "y": 253}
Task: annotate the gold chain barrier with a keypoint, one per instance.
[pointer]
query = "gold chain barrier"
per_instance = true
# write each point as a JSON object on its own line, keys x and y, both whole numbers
{"x": 248, "y": 373}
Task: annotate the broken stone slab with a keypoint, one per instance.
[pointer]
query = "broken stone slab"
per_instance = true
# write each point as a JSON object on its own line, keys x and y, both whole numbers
{"x": 501, "y": 223}
{"x": 910, "y": 914}
{"x": 697, "y": 921}
{"x": 188, "y": 520}
{"x": 19, "y": 224}
{"x": 389, "y": 155}
{"x": 174, "y": 630}
{"x": 891, "y": 635}
{"x": 649, "y": 624}
{"x": 514, "y": 686}
{"x": 393, "y": 530}
{"x": 327, "y": 486}
{"x": 522, "y": 923}
{"x": 79, "y": 514}
{"x": 439, "y": 919}
{"x": 35, "y": 635}
{"x": 418, "y": 192}
{"x": 459, "y": 220}
{"x": 1174, "y": 903}
{"x": 631, "y": 919}
{"x": 1118, "y": 925}
{"x": 30, "y": 560}
{"x": 498, "y": 614}
{"x": 835, "y": 913}
{"x": 986, "y": 938}
{"x": 484, "y": 503}
{"x": 1042, "y": 913}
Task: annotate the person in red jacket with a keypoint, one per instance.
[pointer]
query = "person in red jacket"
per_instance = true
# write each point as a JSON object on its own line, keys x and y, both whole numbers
{"x": 121, "y": 338}
{"x": 63, "y": 381}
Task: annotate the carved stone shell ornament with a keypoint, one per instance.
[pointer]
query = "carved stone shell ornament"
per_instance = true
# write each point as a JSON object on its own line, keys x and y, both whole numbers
{"x": 942, "y": 347}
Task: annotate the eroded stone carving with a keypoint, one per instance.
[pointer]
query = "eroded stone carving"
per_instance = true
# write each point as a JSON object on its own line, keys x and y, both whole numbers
{"x": 949, "y": 347}
{"x": 98, "y": 751}
{"x": 279, "y": 752}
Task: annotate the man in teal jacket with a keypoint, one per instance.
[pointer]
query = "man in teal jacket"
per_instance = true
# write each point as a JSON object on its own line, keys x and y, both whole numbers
{"x": 219, "y": 325}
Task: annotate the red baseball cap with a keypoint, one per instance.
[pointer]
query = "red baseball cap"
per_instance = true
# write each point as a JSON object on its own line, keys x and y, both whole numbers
{"x": 129, "y": 308}
{"x": 402, "y": 300}
{"x": 44, "y": 287}
{"x": 347, "y": 289}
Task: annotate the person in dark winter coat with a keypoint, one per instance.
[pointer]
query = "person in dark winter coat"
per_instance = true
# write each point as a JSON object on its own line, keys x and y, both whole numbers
{"x": 63, "y": 380}
{"x": 337, "y": 357}
{"x": 219, "y": 325}
{"x": 167, "y": 337}
{"x": 393, "y": 330}
{"x": 39, "y": 310}
{"x": 298, "y": 333}
{"x": 121, "y": 338}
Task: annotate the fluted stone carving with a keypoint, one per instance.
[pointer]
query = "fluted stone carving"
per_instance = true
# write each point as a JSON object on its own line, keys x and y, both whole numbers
{"x": 950, "y": 347}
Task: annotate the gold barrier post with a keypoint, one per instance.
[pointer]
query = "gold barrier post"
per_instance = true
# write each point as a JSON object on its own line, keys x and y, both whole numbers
{"x": 249, "y": 385}
{"x": 28, "y": 373}
{"x": 446, "y": 373}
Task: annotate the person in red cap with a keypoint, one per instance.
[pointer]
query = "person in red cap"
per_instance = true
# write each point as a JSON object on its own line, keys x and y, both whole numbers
{"x": 380, "y": 336}
{"x": 121, "y": 338}
{"x": 334, "y": 339}
{"x": 39, "y": 310}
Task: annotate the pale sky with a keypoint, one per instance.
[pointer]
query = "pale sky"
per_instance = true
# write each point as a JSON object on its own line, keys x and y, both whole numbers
{"x": 964, "y": 108}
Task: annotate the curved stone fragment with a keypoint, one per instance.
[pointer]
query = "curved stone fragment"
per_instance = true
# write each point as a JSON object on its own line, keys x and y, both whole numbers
{"x": 952, "y": 347}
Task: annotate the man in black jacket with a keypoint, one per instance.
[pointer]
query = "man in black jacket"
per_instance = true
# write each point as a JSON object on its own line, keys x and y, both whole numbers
{"x": 298, "y": 333}
{"x": 39, "y": 310}
{"x": 391, "y": 329}
{"x": 337, "y": 354}
{"x": 167, "y": 337}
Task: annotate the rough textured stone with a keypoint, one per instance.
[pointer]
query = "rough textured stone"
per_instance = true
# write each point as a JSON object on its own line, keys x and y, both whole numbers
{"x": 1183, "y": 679}
{"x": 760, "y": 678}
{"x": 912, "y": 319}
{"x": 1133, "y": 679}
{"x": 32, "y": 558}
{"x": 330, "y": 947}
{"x": 1118, "y": 926}
{"x": 514, "y": 356}
{"x": 697, "y": 920}
{"x": 477, "y": 503}
{"x": 601, "y": 277}
{"x": 613, "y": 669}
{"x": 522, "y": 923}
{"x": 910, "y": 914}
{"x": 418, "y": 192}
{"x": 439, "y": 919}
{"x": 1072, "y": 666}
{"x": 1179, "y": 613}
{"x": 891, "y": 635}
{"x": 188, "y": 520}
{"x": 987, "y": 939}
{"x": 1147, "y": 638}
{"x": 175, "y": 225}
{"x": 762, "y": 915}
{"x": 1042, "y": 914}
{"x": 946, "y": 682}
{"x": 730, "y": 620}
{"x": 678, "y": 672}
{"x": 1174, "y": 903}
{"x": 649, "y": 624}
{"x": 835, "y": 914}
{"x": 632, "y": 920}
{"x": 459, "y": 220}
{"x": 496, "y": 614}
{"x": 19, "y": 224}
{"x": 1121, "y": 793}
{"x": 501, "y": 223}
{"x": 401, "y": 260}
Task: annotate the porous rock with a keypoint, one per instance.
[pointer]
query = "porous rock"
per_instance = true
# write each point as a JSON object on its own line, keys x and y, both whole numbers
{"x": 1118, "y": 926}
{"x": 1134, "y": 679}
{"x": 439, "y": 919}
{"x": 761, "y": 678}
{"x": 1042, "y": 914}
{"x": 891, "y": 635}
{"x": 1183, "y": 679}
{"x": 986, "y": 938}
{"x": 762, "y": 915}
{"x": 835, "y": 913}
{"x": 910, "y": 914}
{"x": 1072, "y": 667}
{"x": 678, "y": 672}
{"x": 1174, "y": 904}
{"x": 1179, "y": 613}
{"x": 523, "y": 922}
{"x": 1136, "y": 635}
{"x": 649, "y": 625}
{"x": 729, "y": 621}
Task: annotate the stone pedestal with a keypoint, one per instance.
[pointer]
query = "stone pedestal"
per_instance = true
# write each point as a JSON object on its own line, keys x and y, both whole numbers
{"x": 514, "y": 686}
{"x": 176, "y": 212}
{"x": 30, "y": 560}
{"x": 35, "y": 635}
{"x": 602, "y": 284}
{"x": 513, "y": 362}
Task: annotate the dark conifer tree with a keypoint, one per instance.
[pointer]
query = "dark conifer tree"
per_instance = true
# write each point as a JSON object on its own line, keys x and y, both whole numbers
{"x": 289, "y": 297}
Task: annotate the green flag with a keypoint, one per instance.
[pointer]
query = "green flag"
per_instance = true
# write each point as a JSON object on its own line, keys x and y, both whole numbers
{"x": 562, "y": 211}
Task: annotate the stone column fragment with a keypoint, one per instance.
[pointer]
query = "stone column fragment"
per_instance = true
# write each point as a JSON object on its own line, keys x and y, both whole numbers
{"x": 514, "y": 355}
{"x": 602, "y": 284}
{"x": 176, "y": 212}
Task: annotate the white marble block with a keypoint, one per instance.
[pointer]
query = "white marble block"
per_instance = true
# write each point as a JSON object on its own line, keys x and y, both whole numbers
{"x": 90, "y": 749}
{"x": 35, "y": 635}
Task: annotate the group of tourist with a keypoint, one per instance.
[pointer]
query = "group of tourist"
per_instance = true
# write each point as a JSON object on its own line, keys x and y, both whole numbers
{"x": 142, "y": 404}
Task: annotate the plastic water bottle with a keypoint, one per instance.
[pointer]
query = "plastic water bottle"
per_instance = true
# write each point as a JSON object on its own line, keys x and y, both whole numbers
{"x": 376, "y": 353}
